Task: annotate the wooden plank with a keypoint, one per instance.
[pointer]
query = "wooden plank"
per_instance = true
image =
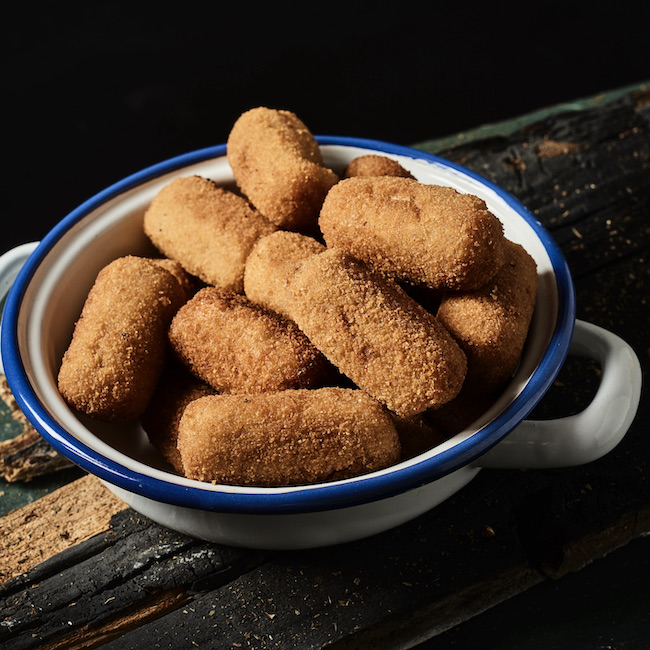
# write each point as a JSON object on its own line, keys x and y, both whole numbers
{"x": 102, "y": 577}
{"x": 54, "y": 523}
{"x": 29, "y": 466}
{"x": 147, "y": 583}
{"x": 180, "y": 589}
{"x": 584, "y": 176}
{"x": 25, "y": 455}
{"x": 132, "y": 584}
{"x": 605, "y": 605}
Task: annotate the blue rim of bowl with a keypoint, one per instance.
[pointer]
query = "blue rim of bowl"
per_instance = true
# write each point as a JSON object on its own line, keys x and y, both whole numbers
{"x": 326, "y": 496}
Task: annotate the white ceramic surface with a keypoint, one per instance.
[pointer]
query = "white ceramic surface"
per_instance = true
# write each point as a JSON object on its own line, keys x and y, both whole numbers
{"x": 49, "y": 291}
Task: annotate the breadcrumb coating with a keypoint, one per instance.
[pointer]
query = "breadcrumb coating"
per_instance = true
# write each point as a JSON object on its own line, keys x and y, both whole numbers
{"x": 286, "y": 438}
{"x": 375, "y": 334}
{"x": 491, "y": 324}
{"x": 300, "y": 361}
{"x": 272, "y": 262}
{"x": 375, "y": 165}
{"x": 416, "y": 435}
{"x": 418, "y": 233}
{"x": 189, "y": 283}
{"x": 278, "y": 166}
{"x": 176, "y": 388}
{"x": 237, "y": 346}
{"x": 119, "y": 344}
{"x": 455, "y": 416}
{"x": 208, "y": 229}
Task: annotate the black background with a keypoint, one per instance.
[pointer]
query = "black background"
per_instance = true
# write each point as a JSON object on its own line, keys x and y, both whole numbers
{"x": 96, "y": 92}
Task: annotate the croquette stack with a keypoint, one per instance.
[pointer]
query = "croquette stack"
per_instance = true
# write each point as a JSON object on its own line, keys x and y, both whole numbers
{"x": 281, "y": 337}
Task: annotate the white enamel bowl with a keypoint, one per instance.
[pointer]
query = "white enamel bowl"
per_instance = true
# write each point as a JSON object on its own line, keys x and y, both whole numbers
{"x": 49, "y": 282}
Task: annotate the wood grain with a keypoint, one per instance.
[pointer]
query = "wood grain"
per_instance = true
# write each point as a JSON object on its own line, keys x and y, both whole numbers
{"x": 118, "y": 580}
{"x": 26, "y": 455}
{"x": 56, "y": 522}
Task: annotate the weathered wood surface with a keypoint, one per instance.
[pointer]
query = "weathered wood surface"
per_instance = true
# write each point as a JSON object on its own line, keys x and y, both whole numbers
{"x": 124, "y": 582}
{"x": 25, "y": 455}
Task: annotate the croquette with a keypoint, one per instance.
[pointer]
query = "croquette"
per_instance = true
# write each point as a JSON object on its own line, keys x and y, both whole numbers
{"x": 414, "y": 232}
{"x": 119, "y": 343}
{"x": 375, "y": 334}
{"x": 176, "y": 388}
{"x": 286, "y": 438}
{"x": 416, "y": 435}
{"x": 301, "y": 326}
{"x": 237, "y": 346}
{"x": 491, "y": 324}
{"x": 208, "y": 229}
{"x": 189, "y": 283}
{"x": 278, "y": 166}
{"x": 270, "y": 265}
{"x": 456, "y": 416}
{"x": 375, "y": 165}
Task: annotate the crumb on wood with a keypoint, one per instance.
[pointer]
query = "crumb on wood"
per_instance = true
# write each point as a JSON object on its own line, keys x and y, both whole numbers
{"x": 552, "y": 148}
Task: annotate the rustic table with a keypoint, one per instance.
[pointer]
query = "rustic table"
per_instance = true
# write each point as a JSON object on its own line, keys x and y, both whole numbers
{"x": 79, "y": 569}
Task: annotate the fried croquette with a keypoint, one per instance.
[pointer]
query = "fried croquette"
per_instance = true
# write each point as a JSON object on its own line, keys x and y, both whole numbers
{"x": 278, "y": 166}
{"x": 237, "y": 346}
{"x": 189, "y": 283}
{"x": 119, "y": 344}
{"x": 286, "y": 438}
{"x": 176, "y": 388}
{"x": 208, "y": 229}
{"x": 271, "y": 262}
{"x": 375, "y": 334}
{"x": 375, "y": 165}
{"x": 418, "y": 233}
{"x": 464, "y": 410}
{"x": 491, "y": 324}
{"x": 416, "y": 435}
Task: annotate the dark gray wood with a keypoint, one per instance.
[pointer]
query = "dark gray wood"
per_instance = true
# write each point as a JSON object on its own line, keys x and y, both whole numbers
{"x": 585, "y": 175}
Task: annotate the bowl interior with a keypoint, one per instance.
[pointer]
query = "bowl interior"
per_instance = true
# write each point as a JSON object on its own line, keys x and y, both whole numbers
{"x": 58, "y": 276}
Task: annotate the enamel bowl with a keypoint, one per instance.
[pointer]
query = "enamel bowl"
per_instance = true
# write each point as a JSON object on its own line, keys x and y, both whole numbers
{"x": 50, "y": 279}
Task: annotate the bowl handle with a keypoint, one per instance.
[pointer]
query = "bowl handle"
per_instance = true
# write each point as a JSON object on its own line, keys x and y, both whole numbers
{"x": 10, "y": 264}
{"x": 590, "y": 434}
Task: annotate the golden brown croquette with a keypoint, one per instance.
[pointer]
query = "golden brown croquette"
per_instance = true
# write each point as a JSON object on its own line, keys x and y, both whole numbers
{"x": 175, "y": 390}
{"x": 208, "y": 229}
{"x": 416, "y": 435}
{"x": 278, "y": 166}
{"x": 286, "y": 438}
{"x": 119, "y": 344}
{"x": 375, "y": 165}
{"x": 375, "y": 334}
{"x": 491, "y": 324}
{"x": 419, "y": 233}
{"x": 237, "y": 346}
{"x": 270, "y": 265}
{"x": 189, "y": 283}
